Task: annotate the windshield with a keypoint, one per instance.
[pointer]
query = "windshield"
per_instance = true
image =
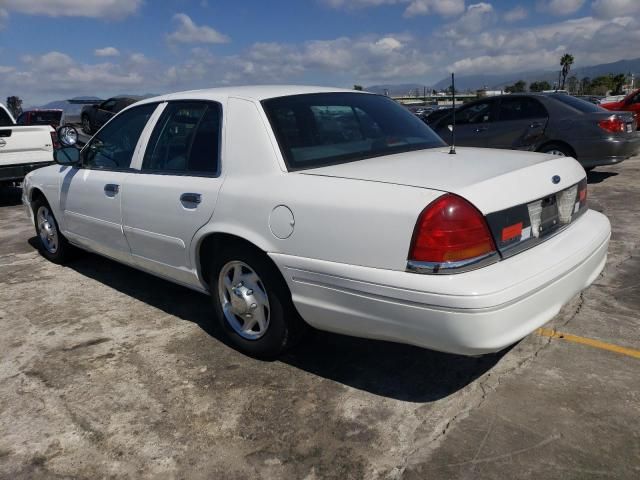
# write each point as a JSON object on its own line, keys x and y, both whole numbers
{"x": 321, "y": 129}
{"x": 577, "y": 103}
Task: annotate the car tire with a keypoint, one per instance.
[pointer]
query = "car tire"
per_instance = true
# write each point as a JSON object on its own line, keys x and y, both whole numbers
{"x": 252, "y": 303}
{"x": 52, "y": 244}
{"x": 86, "y": 125}
{"x": 557, "y": 149}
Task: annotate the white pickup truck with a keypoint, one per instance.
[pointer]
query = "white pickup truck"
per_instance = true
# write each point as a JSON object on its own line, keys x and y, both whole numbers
{"x": 23, "y": 148}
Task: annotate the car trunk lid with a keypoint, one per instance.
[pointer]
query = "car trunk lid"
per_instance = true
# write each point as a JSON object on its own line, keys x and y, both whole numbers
{"x": 493, "y": 180}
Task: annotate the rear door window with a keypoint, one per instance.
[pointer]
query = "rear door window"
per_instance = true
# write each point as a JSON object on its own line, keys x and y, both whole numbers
{"x": 520, "y": 108}
{"x": 481, "y": 112}
{"x": 186, "y": 140}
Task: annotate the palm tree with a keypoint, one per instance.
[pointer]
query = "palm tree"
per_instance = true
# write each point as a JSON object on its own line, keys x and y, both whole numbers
{"x": 566, "y": 61}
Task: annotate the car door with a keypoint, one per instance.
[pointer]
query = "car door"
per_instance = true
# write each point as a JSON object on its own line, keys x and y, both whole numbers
{"x": 176, "y": 189}
{"x": 90, "y": 195}
{"x": 473, "y": 123}
{"x": 521, "y": 122}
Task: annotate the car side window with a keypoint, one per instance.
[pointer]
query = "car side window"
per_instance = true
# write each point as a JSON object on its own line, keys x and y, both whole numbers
{"x": 520, "y": 108}
{"x": 22, "y": 119}
{"x": 636, "y": 99}
{"x": 186, "y": 140}
{"x": 112, "y": 148}
{"x": 108, "y": 105}
{"x": 5, "y": 119}
{"x": 476, "y": 113}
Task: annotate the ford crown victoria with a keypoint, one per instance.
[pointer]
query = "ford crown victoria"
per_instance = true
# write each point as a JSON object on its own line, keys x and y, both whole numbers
{"x": 295, "y": 206}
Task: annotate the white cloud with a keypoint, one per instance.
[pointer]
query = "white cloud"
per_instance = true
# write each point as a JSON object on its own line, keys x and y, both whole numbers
{"x": 189, "y": 32}
{"x": 106, "y": 52}
{"x": 477, "y": 18}
{"x": 74, "y": 8}
{"x": 560, "y": 7}
{"x": 616, "y": 8}
{"x": 445, "y": 8}
{"x": 515, "y": 15}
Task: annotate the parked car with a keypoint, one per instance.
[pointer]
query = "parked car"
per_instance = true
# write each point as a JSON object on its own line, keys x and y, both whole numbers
{"x": 334, "y": 208}
{"x": 23, "y": 148}
{"x": 630, "y": 103}
{"x": 554, "y": 123}
{"x": 53, "y": 117}
{"x": 94, "y": 116}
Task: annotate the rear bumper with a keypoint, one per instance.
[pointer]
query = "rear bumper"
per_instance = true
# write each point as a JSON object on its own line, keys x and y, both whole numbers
{"x": 607, "y": 151}
{"x": 471, "y": 313}
{"x": 18, "y": 172}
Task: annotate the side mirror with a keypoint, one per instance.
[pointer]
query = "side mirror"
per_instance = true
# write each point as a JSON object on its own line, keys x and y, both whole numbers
{"x": 450, "y": 127}
{"x": 67, "y": 156}
{"x": 67, "y": 135}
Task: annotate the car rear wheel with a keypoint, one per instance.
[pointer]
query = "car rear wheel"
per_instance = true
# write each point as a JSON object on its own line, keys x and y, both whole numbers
{"x": 51, "y": 243}
{"x": 557, "y": 150}
{"x": 252, "y": 304}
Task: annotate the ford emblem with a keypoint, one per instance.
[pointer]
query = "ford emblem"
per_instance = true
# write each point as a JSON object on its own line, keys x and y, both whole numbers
{"x": 555, "y": 179}
{"x": 3, "y": 142}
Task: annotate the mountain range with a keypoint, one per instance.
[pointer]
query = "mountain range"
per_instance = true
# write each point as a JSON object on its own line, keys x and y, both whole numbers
{"x": 499, "y": 81}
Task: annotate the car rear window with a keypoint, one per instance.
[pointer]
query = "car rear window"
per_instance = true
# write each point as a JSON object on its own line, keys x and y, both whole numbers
{"x": 321, "y": 129}
{"x": 43, "y": 118}
{"x": 577, "y": 103}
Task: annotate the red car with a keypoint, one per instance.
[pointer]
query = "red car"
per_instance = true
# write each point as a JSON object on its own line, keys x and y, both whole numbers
{"x": 41, "y": 117}
{"x": 630, "y": 103}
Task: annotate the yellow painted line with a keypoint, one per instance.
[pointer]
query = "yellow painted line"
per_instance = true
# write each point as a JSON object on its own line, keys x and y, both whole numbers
{"x": 629, "y": 352}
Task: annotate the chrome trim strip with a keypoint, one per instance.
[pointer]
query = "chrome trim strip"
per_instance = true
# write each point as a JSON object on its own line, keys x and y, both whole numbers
{"x": 449, "y": 268}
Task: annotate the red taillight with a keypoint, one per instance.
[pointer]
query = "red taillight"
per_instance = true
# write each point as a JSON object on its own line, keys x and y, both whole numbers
{"x": 582, "y": 193}
{"x": 54, "y": 140}
{"x": 450, "y": 229}
{"x": 612, "y": 124}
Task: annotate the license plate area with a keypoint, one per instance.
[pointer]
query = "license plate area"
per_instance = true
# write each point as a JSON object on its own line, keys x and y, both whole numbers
{"x": 548, "y": 216}
{"x": 523, "y": 226}
{"x": 629, "y": 127}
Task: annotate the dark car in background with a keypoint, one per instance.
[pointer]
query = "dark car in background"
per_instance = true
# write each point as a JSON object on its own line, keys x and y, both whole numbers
{"x": 554, "y": 123}
{"x": 53, "y": 117}
{"x": 94, "y": 116}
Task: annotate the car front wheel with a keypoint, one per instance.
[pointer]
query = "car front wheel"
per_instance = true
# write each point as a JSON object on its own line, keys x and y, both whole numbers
{"x": 51, "y": 243}
{"x": 253, "y": 306}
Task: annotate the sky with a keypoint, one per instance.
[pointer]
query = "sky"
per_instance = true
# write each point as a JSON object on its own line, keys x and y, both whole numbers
{"x": 56, "y": 49}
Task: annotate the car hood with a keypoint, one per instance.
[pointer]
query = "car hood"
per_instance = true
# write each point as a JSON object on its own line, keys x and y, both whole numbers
{"x": 491, "y": 179}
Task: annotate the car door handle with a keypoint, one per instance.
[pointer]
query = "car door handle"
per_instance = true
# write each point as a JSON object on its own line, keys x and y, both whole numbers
{"x": 481, "y": 129}
{"x": 191, "y": 198}
{"x": 111, "y": 189}
{"x": 536, "y": 125}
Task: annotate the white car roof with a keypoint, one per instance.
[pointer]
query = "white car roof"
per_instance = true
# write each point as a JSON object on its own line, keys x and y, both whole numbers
{"x": 253, "y": 92}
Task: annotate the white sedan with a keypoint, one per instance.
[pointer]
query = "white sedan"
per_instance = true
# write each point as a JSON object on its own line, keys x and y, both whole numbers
{"x": 339, "y": 209}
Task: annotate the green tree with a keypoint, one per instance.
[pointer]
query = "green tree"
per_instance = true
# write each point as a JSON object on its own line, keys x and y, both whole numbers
{"x": 617, "y": 83}
{"x": 357, "y": 87}
{"x": 565, "y": 62}
{"x": 572, "y": 84}
{"x": 518, "y": 87}
{"x": 540, "y": 86}
{"x": 585, "y": 84}
{"x": 14, "y": 105}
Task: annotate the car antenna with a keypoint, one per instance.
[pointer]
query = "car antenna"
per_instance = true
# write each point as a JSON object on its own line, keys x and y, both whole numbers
{"x": 452, "y": 150}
